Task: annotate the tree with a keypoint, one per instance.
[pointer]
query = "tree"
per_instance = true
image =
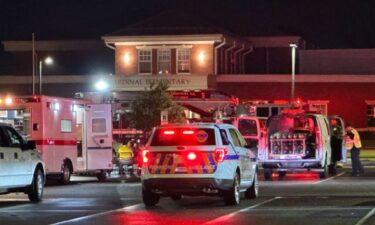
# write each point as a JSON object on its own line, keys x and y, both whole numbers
{"x": 147, "y": 107}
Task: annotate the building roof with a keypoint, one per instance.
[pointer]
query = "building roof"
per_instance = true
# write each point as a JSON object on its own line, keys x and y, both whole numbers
{"x": 170, "y": 22}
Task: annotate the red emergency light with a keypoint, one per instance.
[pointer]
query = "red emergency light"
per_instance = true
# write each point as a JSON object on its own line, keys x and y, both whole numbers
{"x": 188, "y": 132}
{"x": 169, "y": 132}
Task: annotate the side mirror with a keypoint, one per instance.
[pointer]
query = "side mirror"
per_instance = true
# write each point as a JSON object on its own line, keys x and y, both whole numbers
{"x": 29, "y": 145}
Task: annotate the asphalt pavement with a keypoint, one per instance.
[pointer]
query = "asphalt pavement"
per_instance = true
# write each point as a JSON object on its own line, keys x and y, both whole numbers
{"x": 298, "y": 198}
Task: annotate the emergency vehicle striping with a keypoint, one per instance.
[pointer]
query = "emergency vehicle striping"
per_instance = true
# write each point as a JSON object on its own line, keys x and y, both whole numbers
{"x": 55, "y": 142}
{"x": 231, "y": 157}
{"x": 175, "y": 163}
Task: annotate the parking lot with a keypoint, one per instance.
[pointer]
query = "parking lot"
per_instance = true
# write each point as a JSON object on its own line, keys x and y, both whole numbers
{"x": 299, "y": 198}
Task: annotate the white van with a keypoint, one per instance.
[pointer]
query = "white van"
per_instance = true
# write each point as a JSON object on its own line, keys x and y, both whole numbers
{"x": 297, "y": 141}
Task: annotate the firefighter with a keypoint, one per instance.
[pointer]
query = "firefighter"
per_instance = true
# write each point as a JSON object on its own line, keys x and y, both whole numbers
{"x": 353, "y": 143}
{"x": 125, "y": 158}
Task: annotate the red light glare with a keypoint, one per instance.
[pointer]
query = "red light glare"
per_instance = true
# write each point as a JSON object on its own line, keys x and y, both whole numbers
{"x": 220, "y": 153}
{"x": 145, "y": 156}
{"x": 192, "y": 156}
{"x": 188, "y": 132}
{"x": 169, "y": 132}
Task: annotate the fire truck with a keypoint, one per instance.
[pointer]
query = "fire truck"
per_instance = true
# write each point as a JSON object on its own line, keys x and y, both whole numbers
{"x": 73, "y": 135}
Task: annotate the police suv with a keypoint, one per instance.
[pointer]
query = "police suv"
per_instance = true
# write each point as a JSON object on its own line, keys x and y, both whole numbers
{"x": 21, "y": 167}
{"x": 198, "y": 159}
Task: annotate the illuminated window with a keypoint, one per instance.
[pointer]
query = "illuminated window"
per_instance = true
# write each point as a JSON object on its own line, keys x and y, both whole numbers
{"x": 183, "y": 60}
{"x": 145, "y": 61}
{"x": 99, "y": 125}
{"x": 319, "y": 106}
{"x": 66, "y": 126}
{"x": 370, "y": 113}
{"x": 164, "y": 61}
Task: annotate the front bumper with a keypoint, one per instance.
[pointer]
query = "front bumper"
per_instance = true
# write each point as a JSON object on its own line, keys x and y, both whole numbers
{"x": 188, "y": 186}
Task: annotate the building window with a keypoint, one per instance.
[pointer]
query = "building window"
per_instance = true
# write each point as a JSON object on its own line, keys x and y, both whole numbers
{"x": 370, "y": 113}
{"x": 164, "y": 61}
{"x": 319, "y": 106}
{"x": 183, "y": 60}
{"x": 99, "y": 125}
{"x": 145, "y": 61}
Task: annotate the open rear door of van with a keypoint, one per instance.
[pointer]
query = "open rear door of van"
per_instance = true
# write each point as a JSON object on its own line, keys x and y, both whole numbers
{"x": 98, "y": 135}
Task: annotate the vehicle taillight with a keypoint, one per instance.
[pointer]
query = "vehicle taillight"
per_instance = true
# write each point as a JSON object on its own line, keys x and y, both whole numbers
{"x": 192, "y": 156}
{"x": 220, "y": 153}
{"x": 146, "y": 156}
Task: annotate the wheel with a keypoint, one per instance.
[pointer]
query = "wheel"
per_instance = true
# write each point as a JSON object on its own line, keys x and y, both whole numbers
{"x": 36, "y": 189}
{"x": 332, "y": 169}
{"x": 282, "y": 174}
{"x": 149, "y": 198}
{"x": 232, "y": 196}
{"x": 66, "y": 173}
{"x": 252, "y": 192}
{"x": 267, "y": 173}
{"x": 102, "y": 176}
{"x": 324, "y": 173}
{"x": 176, "y": 197}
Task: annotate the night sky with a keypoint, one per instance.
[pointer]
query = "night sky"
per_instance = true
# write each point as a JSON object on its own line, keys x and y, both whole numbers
{"x": 324, "y": 24}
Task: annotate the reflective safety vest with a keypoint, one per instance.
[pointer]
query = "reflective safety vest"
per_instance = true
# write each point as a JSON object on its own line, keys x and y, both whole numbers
{"x": 125, "y": 153}
{"x": 356, "y": 140}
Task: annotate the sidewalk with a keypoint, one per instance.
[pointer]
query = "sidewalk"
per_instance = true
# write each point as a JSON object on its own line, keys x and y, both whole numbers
{"x": 366, "y": 153}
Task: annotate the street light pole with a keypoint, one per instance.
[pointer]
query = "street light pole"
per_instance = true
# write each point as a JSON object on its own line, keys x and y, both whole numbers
{"x": 40, "y": 76}
{"x": 293, "y": 47}
{"x": 47, "y": 61}
{"x": 33, "y": 60}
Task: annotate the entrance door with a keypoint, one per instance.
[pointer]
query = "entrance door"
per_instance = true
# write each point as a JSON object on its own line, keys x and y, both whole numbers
{"x": 98, "y": 136}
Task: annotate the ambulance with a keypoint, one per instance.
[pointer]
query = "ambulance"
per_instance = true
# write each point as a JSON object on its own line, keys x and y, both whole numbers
{"x": 73, "y": 135}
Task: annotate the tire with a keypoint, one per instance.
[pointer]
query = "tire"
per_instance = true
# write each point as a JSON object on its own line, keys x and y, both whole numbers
{"x": 102, "y": 176}
{"x": 176, "y": 197}
{"x": 267, "y": 173}
{"x": 36, "y": 189}
{"x": 325, "y": 173}
{"x": 332, "y": 169}
{"x": 232, "y": 196}
{"x": 252, "y": 192}
{"x": 149, "y": 198}
{"x": 66, "y": 173}
{"x": 282, "y": 174}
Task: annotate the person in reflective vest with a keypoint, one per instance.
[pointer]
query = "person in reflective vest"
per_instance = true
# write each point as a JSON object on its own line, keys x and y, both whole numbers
{"x": 353, "y": 143}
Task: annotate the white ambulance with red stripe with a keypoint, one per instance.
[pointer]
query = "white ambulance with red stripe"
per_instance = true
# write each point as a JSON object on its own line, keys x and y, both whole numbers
{"x": 73, "y": 135}
{"x": 198, "y": 159}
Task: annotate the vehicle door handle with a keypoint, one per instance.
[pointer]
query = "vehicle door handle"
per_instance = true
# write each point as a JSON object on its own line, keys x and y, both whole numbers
{"x": 1, "y": 155}
{"x": 15, "y": 155}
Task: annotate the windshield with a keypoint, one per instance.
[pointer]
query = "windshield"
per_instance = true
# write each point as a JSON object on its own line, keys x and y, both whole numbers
{"x": 289, "y": 123}
{"x": 183, "y": 136}
{"x": 247, "y": 127}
